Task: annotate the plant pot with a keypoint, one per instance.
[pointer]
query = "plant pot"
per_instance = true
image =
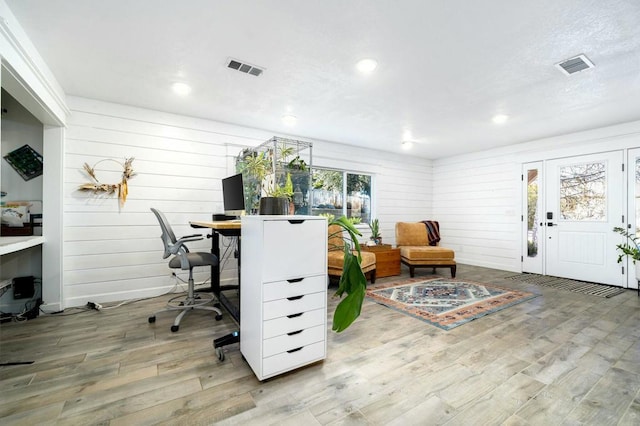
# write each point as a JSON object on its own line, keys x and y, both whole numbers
{"x": 274, "y": 206}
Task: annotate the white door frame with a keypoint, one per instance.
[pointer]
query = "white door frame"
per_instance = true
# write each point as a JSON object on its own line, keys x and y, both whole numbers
{"x": 533, "y": 264}
{"x": 633, "y": 154}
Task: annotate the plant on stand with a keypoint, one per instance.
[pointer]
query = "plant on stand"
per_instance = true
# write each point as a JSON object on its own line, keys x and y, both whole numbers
{"x": 375, "y": 232}
{"x": 630, "y": 248}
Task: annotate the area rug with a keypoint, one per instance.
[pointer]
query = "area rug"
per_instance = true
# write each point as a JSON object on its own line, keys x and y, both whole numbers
{"x": 445, "y": 303}
{"x": 584, "y": 287}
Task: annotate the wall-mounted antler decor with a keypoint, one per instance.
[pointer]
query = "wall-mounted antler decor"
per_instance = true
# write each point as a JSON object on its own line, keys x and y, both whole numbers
{"x": 122, "y": 187}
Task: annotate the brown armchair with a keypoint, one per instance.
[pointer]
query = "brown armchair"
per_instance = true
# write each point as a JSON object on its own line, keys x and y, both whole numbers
{"x": 335, "y": 256}
{"x": 413, "y": 241}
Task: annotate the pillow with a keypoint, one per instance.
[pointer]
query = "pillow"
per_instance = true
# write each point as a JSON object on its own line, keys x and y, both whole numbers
{"x": 14, "y": 214}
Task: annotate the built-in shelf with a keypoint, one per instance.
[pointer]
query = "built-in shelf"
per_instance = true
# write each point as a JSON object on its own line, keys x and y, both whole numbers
{"x": 13, "y": 244}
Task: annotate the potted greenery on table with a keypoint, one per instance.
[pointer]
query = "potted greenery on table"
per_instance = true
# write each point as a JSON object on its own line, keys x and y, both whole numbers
{"x": 630, "y": 248}
{"x": 375, "y": 232}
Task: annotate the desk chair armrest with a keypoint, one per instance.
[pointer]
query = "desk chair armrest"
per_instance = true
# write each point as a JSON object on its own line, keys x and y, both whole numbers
{"x": 179, "y": 246}
{"x": 187, "y": 238}
{"x": 181, "y": 250}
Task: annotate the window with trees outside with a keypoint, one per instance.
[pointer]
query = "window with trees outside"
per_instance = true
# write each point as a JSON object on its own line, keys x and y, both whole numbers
{"x": 341, "y": 193}
{"x": 583, "y": 192}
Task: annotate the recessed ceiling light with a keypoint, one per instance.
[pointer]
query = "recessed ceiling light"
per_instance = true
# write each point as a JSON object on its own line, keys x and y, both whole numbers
{"x": 407, "y": 145}
{"x": 366, "y": 65}
{"x": 500, "y": 118}
{"x": 289, "y": 120}
{"x": 181, "y": 89}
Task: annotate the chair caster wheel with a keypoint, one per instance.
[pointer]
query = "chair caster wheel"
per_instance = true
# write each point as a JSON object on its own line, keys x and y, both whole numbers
{"x": 175, "y": 328}
{"x": 218, "y": 317}
{"x": 152, "y": 319}
{"x": 220, "y": 354}
{"x": 217, "y": 305}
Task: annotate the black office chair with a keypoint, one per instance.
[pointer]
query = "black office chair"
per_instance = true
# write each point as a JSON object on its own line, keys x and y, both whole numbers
{"x": 184, "y": 260}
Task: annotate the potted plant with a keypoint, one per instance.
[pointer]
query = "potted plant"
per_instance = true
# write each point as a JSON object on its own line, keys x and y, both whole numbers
{"x": 277, "y": 197}
{"x": 375, "y": 232}
{"x": 352, "y": 281}
{"x": 630, "y": 248}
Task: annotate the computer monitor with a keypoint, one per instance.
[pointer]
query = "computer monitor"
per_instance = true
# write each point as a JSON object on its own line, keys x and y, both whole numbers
{"x": 233, "y": 195}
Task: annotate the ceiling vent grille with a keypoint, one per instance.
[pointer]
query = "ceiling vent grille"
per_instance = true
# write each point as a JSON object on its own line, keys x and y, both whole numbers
{"x": 244, "y": 67}
{"x": 575, "y": 64}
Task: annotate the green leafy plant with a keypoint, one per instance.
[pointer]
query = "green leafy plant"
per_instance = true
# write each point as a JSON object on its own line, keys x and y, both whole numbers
{"x": 297, "y": 164}
{"x": 254, "y": 166}
{"x": 285, "y": 151}
{"x": 352, "y": 281}
{"x": 329, "y": 217}
{"x": 629, "y": 248}
{"x": 375, "y": 230}
{"x": 280, "y": 191}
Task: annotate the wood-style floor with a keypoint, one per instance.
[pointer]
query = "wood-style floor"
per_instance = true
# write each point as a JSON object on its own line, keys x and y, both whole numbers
{"x": 561, "y": 358}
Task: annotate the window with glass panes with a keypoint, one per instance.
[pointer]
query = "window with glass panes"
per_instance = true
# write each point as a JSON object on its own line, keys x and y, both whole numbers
{"x": 342, "y": 193}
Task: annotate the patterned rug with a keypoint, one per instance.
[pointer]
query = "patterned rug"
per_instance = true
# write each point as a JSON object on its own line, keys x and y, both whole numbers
{"x": 445, "y": 303}
{"x": 584, "y": 287}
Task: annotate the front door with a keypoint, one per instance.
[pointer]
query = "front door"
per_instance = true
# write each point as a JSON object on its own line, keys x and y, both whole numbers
{"x": 584, "y": 202}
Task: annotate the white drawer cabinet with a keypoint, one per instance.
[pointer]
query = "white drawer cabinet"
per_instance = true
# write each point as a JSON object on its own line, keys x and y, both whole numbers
{"x": 283, "y": 293}
{"x": 294, "y": 287}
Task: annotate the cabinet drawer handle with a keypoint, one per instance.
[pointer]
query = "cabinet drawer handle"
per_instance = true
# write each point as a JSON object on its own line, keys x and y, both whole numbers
{"x": 293, "y": 333}
{"x": 295, "y": 297}
{"x": 295, "y": 315}
{"x": 295, "y": 350}
{"x": 296, "y": 221}
{"x": 295, "y": 280}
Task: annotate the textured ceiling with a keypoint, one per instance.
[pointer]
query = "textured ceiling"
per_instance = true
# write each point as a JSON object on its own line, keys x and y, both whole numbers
{"x": 445, "y": 67}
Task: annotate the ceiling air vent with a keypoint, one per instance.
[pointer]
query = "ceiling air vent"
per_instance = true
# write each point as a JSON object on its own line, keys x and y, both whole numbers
{"x": 575, "y": 64}
{"x": 245, "y": 68}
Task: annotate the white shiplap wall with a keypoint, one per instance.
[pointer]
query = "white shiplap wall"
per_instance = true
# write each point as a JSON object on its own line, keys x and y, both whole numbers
{"x": 477, "y": 197}
{"x": 113, "y": 253}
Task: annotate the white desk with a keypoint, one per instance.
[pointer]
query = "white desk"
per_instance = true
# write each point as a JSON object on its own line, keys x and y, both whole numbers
{"x": 13, "y": 244}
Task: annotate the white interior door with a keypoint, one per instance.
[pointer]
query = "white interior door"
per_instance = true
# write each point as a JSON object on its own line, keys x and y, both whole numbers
{"x": 532, "y": 218}
{"x": 584, "y": 202}
{"x": 633, "y": 207}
